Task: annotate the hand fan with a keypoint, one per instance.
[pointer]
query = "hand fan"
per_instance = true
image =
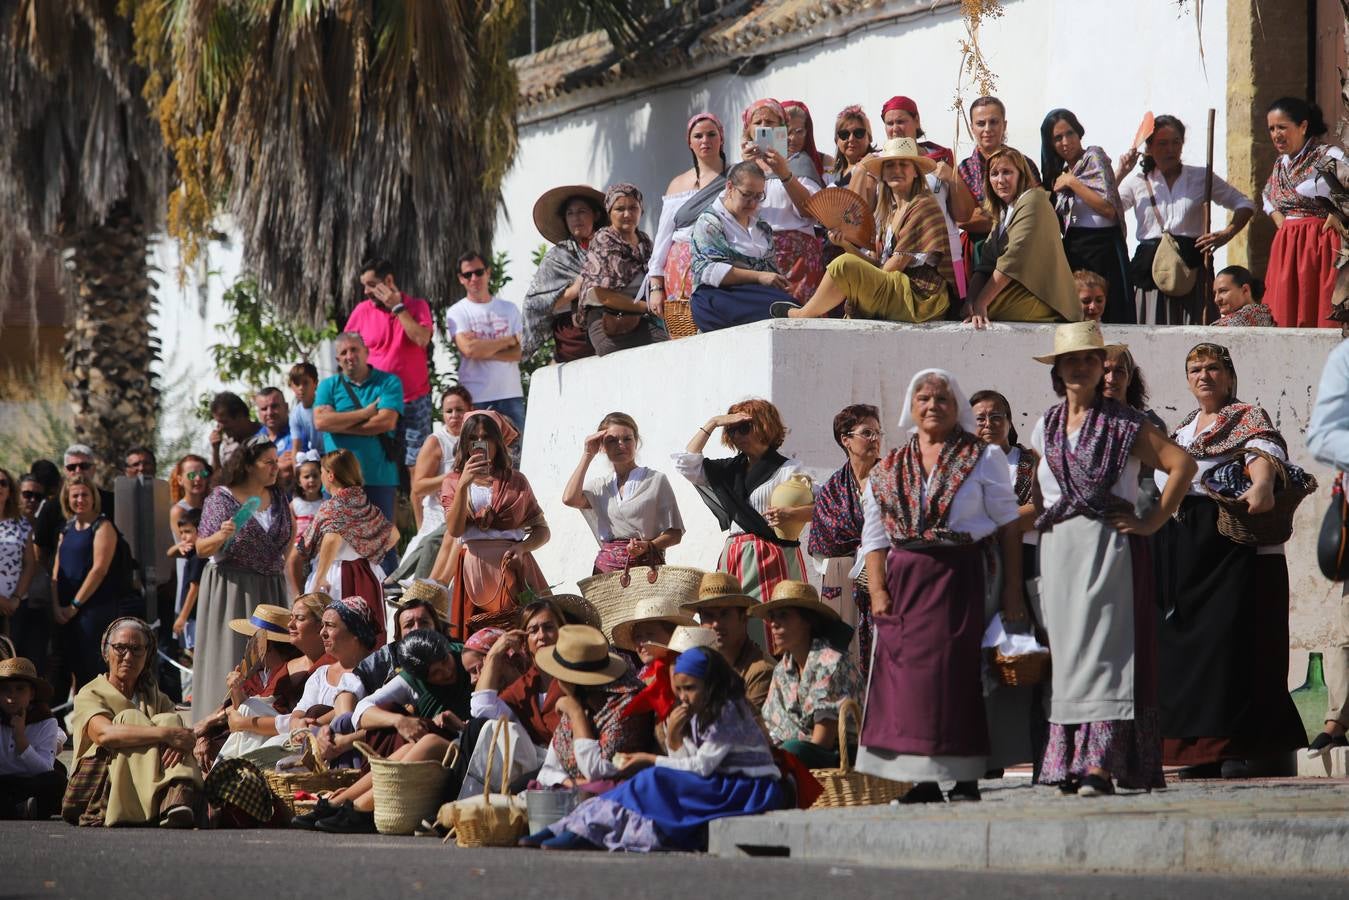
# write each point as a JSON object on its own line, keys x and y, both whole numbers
{"x": 241, "y": 518}
{"x": 839, "y": 209}
{"x": 1144, "y": 132}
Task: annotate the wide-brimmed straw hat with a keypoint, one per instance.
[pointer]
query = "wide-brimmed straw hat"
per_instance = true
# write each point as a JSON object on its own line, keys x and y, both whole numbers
{"x": 796, "y": 594}
{"x": 1077, "y": 336}
{"x": 686, "y": 637}
{"x": 273, "y": 620}
{"x": 577, "y": 610}
{"x": 422, "y": 589}
{"x": 905, "y": 149}
{"x": 581, "y": 656}
{"x": 550, "y": 210}
{"x": 652, "y": 609}
{"x": 18, "y": 668}
{"x": 720, "y": 589}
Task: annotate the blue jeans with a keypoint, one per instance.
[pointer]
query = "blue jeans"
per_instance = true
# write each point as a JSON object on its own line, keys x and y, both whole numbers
{"x": 416, "y": 426}
{"x": 386, "y": 498}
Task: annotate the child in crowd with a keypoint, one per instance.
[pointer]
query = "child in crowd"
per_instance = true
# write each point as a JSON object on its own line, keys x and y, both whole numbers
{"x": 719, "y": 765}
{"x": 304, "y": 380}
{"x": 32, "y": 782}
{"x": 185, "y": 625}
{"x": 308, "y": 491}
{"x": 1091, "y": 290}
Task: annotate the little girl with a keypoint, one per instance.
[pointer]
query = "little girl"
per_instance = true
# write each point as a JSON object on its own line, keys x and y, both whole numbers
{"x": 308, "y": 491}
{"x": 719, "y": 765}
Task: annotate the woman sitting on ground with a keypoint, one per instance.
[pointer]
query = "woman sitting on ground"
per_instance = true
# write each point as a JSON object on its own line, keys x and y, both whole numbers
{"x": 1022, "y": 274}
{"x": 908, "y": 275}
{"x": 261, "y": 695}
{"x": 349, "y": 636}
{"x": 133, "y": 755}
{"x": 32, "y": 781}
{"x": 1238, "y": 294}
{"x": 633, "y": 514}
{"x": 718, "y": 764}
{"x": 812, "y": 678}
{"x": 612, "y": 311}
{"x": 511, "y": 684}
{"x": 490, "y": 508}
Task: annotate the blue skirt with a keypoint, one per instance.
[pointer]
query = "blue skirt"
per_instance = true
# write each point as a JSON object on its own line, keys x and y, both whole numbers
{"x": 722, "y": 307}
{"x": 668, "y": 809}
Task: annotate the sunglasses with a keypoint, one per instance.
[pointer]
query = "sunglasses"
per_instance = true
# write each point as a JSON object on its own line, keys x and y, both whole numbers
{"x": 194, "y": 476}
{"x": 740, "y": 428}
{"x": 79, "y": 467}
{"x": 30, "y": 495}
{"x": 856, "y": 134}
{"x": 472, "y": 273}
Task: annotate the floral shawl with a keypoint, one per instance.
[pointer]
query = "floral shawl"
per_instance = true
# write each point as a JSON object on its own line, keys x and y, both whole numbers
{"x": 513, "y": 503}
{"x": 558, "y": 269}
{"x": 613, "y": 264}
{"x": 1237, "y": 423}
{"x": 1026, "y": 463}
{"x": 836, "y": 525}
{"x": 615, "y": 732}
{"x": 710, "y": 245}
{"x": 1092, "y": 169}
{"x": 1087, "y": 474}
{"x": 349, "y": 514}
{"x": 1281, "y": 188}
{"x": 1252, "y": 315}
{"x": 898, "y": 485}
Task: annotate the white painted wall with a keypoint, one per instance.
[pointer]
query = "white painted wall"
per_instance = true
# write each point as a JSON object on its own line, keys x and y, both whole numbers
{"x": 811, "y": 369}
{"x": 1106, "y": 61}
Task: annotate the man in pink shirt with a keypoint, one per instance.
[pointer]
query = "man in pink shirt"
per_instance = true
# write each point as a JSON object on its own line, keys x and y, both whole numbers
{"x": 397, "y": 330}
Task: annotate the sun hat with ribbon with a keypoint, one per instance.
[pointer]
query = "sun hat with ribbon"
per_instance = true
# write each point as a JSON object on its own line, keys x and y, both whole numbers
{"x": 905, "y": 149}
{"x": 798, "y": 595}
{"x": 686, "y": 637}
{"x": 581, "y": 656}
{"x": 18, "y": 668}
{"x": 719, "y": 589}
{"x": 652, "y": 609}
{"x": 273, "y": 620}
{"x": 1077, "y": 336}
{"x": 550, "y": 210}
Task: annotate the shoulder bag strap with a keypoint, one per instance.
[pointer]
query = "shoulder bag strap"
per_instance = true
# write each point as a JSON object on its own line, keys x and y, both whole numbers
{"x": 1147, "y": 182}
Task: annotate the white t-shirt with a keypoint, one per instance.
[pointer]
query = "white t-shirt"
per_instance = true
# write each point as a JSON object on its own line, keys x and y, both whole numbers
{"x": 487, "y": 379}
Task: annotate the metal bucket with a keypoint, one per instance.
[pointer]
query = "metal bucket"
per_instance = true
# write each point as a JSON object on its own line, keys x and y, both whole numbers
{"x": 546, "y": 807}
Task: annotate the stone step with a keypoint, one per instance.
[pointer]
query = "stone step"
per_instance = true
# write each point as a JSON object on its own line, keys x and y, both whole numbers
{"x": 1333, "y": 763}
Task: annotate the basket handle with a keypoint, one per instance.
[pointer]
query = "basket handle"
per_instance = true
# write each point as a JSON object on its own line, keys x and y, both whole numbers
{"x": 848, "y": 706}
{"x": 1280, "y": 467}
{"x": 366, "y": 750}
{"x": 501, "y": 736}
{"x": 451, "y": 753}
{"x": 303, "y": 739}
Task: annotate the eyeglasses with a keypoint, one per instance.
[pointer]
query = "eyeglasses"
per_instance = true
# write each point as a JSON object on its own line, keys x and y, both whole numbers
{"x": 856, "y": 134}
{"x": 128, "y": 649}
{"x": 752, "y": 198}
{"x": 866, "y": 434}
{"x": 740, "y": 428}
{"x": 472, "y": 273}
{"x": 990, "y": 419}
{"x": 196, "y": 476}
{"x": 30, "y": 495}
{"x": 79, "y": 466}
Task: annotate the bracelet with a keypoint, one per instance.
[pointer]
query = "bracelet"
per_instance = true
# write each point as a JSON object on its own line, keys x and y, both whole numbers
{"x": 704, "y": 431}
{"x": 399, "y": 309}
{"x": 74, "y": 604}
{"x": 791, "y": 176}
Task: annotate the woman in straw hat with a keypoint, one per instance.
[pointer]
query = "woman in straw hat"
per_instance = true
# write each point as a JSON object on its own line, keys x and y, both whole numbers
{"x": 908, "y": 275}
{"x": 266, "y": 691}
{"x": 718, "y": 765}
{"x": 811, "y": 679}
{"x": 613, "y": 279}
{"x": 633, "y": 513}
{"x": 31, "y": 780}
{"x": 567, "y": 217}
{"x": 670, "y": 273}
{"x": 1224, "y": 640}
{"x": 1096, "y": 577}
{"x": 934, "y": 510}
{"x": 1021, "y": 274}
{"x": 133, "y": 756}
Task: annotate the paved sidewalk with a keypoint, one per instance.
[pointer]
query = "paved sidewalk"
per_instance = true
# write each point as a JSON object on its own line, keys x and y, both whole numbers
{"x": 1267, "y": 826}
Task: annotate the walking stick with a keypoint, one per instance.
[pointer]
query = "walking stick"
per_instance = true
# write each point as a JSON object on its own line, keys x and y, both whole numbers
{"x": 1206, "y": 272}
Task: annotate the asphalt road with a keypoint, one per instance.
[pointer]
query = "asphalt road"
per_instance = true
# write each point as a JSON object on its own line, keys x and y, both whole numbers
{"x": 51, "y": 859}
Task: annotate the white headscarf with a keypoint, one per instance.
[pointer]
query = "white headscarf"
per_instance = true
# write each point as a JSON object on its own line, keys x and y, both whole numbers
{"x": 963, "y": 412}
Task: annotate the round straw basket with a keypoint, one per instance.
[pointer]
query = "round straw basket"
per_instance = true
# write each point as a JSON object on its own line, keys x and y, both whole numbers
{"x": 318, "y": 779}
{"x": 493, "y": 820}
{"x": 1019, "y": 671}
{"x": 616, "y": 594}
{"x": 1266, "y": 528}
{"x": 845, "y": 786}
{"x": 406, "y": 791}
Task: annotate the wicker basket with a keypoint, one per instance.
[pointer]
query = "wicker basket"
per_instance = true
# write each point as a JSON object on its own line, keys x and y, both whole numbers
{"x": 1263, "y": 529}
{"x": 492, "y": 820}
{"x": 616, "y": 594}
{"x": 679, "y": 318}
{"x": 1019, "y": 671}
{"x": 406, "y": 792}
{"x": 845, "y": 786}
{"x": 318, "y": 779}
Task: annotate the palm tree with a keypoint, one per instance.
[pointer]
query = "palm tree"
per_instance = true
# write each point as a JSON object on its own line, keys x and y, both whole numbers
{"x": 83, "y": 171}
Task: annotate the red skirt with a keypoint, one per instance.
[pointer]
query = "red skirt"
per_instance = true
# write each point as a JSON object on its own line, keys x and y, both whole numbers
{"x": 791, "y": 246}
{"x": 1301, "y": 274}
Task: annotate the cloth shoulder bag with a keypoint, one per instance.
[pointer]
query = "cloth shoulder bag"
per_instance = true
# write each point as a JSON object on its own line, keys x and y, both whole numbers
{"x": 1170, "y": 272}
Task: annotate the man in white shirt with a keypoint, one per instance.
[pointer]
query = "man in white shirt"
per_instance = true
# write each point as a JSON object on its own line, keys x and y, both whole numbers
{"x": 487, "y": 331}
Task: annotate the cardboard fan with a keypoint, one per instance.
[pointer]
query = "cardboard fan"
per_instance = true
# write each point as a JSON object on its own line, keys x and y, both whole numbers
{"x": 1145, "y": 129}
{"x": 839, "y": 209}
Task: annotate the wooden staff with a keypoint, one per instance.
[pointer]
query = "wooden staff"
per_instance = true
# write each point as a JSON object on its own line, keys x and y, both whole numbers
{"x": 1206, "y": 273}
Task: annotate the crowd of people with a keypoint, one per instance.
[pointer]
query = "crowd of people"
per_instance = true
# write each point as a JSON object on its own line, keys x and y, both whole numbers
{"x": 715, "y": 691}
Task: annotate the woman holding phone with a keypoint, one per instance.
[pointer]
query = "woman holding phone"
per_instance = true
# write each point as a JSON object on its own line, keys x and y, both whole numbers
{"x": 491, "y": 509}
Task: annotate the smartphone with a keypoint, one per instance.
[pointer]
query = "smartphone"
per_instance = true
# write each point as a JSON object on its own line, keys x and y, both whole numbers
{"x": 480, "y": 446}
{"x": 771, "y": 138}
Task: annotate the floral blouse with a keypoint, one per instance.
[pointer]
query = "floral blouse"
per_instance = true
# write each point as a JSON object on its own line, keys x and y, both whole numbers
{"x": 797, "y": 700}
{"x": 255, "y": 547}
{"x": 15, "y": 534}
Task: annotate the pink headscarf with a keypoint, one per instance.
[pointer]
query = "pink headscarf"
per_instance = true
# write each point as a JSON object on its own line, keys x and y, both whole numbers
{"x": 705, "y": 117}
{"x": 509, "y": 433}
{"x": 809, "y": 145}
{"x": 483, "y": 639}
{"x": 766, "y": 102}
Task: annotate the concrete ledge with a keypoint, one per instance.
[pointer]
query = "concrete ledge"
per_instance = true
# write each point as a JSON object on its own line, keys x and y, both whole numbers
{"x": 1334, "y": 763}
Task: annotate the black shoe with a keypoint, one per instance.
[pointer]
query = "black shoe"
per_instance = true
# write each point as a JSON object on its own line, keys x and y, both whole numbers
{"x": 349, "y": 820}
{"x": 27, "y": 809}
{"x": 322, "y": 810}
{"x": 1095, "y": 786}
{"x": 1323, "y": 742}
{"x": 994, "y": 774}
{"x": 923, "y": 792}
{"x": 1069, "y": 786}
{"x": 1205, "y": 770}
{"x": 964, "y": 790}
{"x": 1234, "y": 769}
{"x": 778, "y": 309}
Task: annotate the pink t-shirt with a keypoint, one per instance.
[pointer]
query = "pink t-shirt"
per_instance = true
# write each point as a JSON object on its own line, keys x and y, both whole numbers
{"x": 390, "y": 348}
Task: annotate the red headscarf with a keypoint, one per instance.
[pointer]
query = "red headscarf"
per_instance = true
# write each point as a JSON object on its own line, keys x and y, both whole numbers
{"x": 808, "y": 147}
{"x": 930, "y": 150}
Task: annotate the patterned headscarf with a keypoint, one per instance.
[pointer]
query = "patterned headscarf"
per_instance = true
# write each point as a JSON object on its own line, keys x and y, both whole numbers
{"x": 356, "y": 616}
{"x": 509, "y": 433}
{"x": 617, "y": 191}
{"x": 483, "y": 639}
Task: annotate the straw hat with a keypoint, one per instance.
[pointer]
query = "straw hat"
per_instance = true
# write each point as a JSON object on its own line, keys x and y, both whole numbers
{"x": 1077, "y": 336}
{"x": 581, "y": 656}
{"x": 899, "y": 148}
{"x": 796, "y": 594}
{"x": 274, "y": 620}
{"x": 720, "y": 589}
{"x": 19, "y": 669}
{"x": 651, "y": 609}
{"x": 550, "y": 209}
{"x": 686, "y": 637}
{"x": 422, "y": 589}
{"x": 577, "y": 609}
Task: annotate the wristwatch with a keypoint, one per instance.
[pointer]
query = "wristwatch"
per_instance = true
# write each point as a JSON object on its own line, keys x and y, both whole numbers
{"x": 398, "y": 309}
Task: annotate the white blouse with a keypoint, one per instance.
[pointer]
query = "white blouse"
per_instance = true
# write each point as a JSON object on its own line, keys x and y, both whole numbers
{"x": 942, "y": 191}
{"x": 480, "y": 497}
{"x": 984, "y": 503}
{"x": 750, "y": 242}
{"x": 1181, "y": 205}
{"x": 779, "y": 211}
{"x": 1125, "y": 487}
{"x": 690, "y": 465}
{"x": 666, "y": 232}
{"x": 318, "y": 692}
{"x": 45, "y": 740}
{"x": 643, "y": 509}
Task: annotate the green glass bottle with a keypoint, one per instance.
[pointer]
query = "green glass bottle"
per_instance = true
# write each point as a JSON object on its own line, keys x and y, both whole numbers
{"x": 1311, "y": 698}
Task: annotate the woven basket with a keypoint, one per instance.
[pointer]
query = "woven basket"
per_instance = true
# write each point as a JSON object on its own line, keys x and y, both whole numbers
{"x": 406, "y": 791}
{"x": 1019, "y": 671}
{"x": 1273, "y": 527}
{"x": 616, "y": 594}
{"x": 318, "y": 779}
{"x": 492, "y": 820}
{"x": 845, "y": 786}
{"x": 679, "y": 318}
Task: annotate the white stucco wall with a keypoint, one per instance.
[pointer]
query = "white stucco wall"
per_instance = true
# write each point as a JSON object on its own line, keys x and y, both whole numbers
{"x": 1108, "y": 62}
{"x": 812, "y": 369}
